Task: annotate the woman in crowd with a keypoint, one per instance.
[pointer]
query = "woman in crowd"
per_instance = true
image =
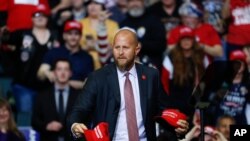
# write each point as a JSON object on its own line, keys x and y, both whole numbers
{"x": 232, "y": 97}
{"x": 182, "y": 70}
{"x": 8, "y": 128}
{"x": 30, "y": 52}
{"x": 98, "y": 32}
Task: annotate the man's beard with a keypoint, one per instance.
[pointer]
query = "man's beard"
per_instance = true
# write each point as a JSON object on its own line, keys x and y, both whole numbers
{"x": 125, "y": 66}
{"x": 136, "y": 12}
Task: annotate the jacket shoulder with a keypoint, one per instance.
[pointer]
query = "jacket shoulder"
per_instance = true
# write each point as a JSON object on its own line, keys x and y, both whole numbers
{"x": 148, "y": 69}
{"x": 103, "y": 71}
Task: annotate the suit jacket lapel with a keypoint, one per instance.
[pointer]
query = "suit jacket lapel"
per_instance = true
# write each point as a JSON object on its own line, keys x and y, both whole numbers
{"x": 143, "y": 92}
{"x": 114, "y": 83}
{"x": 53, "y": 102}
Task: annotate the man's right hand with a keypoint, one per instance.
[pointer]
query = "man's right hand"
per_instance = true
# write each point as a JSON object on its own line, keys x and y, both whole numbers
{"x": 50, "y": 75}
{"x": 78, "y": 129}
{"x": 54, "y": 126}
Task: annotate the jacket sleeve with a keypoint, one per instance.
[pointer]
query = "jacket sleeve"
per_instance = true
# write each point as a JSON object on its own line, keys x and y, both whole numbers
{"x": 85, "y": 104}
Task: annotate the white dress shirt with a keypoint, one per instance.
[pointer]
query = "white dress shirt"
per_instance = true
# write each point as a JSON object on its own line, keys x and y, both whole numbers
{"x": 121, "y": 131}
{"x": 65, "y": 97}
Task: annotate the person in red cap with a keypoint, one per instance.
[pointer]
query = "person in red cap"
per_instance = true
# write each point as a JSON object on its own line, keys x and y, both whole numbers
{"x": 20, "y": 13}
{"x": 15, "y": 19}
{"x": 232, "y": 97}
{"x": 236, "y": 13}
{"x": 182, "y": 69}
{"x": 35, "y": 43}
{"x": 29, "y": 55}
{"x": 19, "y": 18}
{"x": 205, "y": 34}
{"x": 125, "y": 94}
{"x": 82, "y": 62}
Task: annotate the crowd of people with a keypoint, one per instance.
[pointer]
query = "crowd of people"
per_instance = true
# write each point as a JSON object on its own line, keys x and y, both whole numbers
{"x": 52, "y": 51}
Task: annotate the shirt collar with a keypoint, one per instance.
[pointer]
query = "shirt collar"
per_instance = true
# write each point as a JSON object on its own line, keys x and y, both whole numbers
{"x": 132, "y": 71}
{"x": 66, "y": 88}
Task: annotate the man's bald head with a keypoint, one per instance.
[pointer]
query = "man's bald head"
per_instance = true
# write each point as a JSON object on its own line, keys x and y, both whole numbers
{"x": 127, "y": 33}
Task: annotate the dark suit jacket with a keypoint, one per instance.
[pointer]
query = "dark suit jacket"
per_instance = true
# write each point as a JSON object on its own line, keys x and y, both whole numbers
{"x": 45, "y": 111}
{"x": 100, "y": 99}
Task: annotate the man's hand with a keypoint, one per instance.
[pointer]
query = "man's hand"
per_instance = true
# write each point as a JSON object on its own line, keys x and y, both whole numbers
{"x": 77, "y": 84}
{"x": 183, "y": 127}
{"x": 54, "y": 126}
{"x": 219, "y": 136}
{"x": 78, "y": 129}
{"x": 65, "y": 15}
{"x": 50, "y": 75}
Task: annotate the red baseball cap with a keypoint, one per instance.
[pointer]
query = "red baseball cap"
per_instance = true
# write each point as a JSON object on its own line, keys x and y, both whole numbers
{"x": 99, "y": 133}
{"x": 41, "y": 8}
{"x": 70, "y": 25}
{"x": 186, "y": 32}
{"x": 171, "y": 116}
{"x": 238, "y": 55}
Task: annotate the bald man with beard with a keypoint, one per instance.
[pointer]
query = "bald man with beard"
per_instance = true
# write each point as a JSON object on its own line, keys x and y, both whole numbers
{"x": 104, "y": 96}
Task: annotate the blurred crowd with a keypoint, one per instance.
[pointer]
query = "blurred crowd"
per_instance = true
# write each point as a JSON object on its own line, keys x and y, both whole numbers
{"x": 51, "y": 46}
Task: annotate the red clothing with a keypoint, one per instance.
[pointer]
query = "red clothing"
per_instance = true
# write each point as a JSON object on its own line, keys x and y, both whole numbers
{"x": 205, "y": 34}
{"x": 239, "y": 27}
{"x": 3, "y": 5}
{"x": 20, "y": 13}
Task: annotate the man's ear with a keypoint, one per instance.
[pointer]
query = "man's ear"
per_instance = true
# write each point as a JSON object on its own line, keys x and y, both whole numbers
{"x": 138, "y": 48}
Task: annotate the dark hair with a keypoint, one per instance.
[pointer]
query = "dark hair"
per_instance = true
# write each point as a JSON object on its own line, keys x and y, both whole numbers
{"x": 233, "y": 69}
{"x": 61, "y": 60}
{"x": 90, "y": 1}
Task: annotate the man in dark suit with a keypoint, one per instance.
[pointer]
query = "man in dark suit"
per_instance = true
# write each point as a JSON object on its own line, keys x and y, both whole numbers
{"x": 53, "y": 105}
{"x": 126, "y": 95}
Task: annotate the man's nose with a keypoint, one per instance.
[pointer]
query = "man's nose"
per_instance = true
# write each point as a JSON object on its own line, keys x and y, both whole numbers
{"x": 121, "y": 51}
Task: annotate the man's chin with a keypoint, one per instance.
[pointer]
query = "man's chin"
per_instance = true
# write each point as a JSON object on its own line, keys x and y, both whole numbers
{"x": 121, "y": 67}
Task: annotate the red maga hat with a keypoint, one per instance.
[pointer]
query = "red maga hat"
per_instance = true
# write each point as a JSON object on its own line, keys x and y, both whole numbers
{"x": 171, "y": 116}
{"x": 99, "y": 133}
{"x": 41, "y": 8}
{"x": 70, "y": 25}
{"x": 238, "y": 55}
{"x": 186, "y": 32}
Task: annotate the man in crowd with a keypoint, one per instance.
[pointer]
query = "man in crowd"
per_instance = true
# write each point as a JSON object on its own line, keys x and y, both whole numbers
{"x": 82, "y": 62}
{"x": 53, "y": 105}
